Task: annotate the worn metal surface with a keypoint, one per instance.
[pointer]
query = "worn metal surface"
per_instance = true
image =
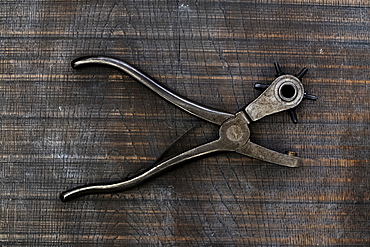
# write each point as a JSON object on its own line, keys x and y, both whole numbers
{"x": 61, "y": 128}
{"x": 206, "y": 113}
{"x": 284, "y": 93}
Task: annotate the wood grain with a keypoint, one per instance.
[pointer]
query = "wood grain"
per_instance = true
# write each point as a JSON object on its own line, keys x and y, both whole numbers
{"x": 62, "y": 128}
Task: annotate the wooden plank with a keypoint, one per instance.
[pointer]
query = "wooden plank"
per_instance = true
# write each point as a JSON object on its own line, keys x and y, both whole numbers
{"x": 62, "y": 128}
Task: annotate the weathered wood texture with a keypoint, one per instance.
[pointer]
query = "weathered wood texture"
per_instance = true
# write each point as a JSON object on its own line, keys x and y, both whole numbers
{"x": 62, "y": 128}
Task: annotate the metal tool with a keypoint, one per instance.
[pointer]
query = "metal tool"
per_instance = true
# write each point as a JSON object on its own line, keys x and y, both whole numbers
{"x": 284, "y": 93}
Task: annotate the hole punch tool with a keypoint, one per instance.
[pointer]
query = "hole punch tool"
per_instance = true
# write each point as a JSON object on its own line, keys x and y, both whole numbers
{"x": 285, "y": 93}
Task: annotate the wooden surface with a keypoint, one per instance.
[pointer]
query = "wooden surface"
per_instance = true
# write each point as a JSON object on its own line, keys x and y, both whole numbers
{"x": 62, "y": 128}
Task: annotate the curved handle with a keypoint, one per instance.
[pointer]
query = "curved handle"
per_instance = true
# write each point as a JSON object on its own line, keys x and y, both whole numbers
{"x": 144, "y": 176}
{"x": 209, "y": 114}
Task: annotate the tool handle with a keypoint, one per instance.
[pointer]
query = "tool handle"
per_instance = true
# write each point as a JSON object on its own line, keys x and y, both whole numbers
{"x": 144, "y": 176}
{"x": 206, "y": 113}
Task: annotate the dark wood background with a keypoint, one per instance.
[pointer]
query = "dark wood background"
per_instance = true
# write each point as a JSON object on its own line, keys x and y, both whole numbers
{"x": 62, "y": 128}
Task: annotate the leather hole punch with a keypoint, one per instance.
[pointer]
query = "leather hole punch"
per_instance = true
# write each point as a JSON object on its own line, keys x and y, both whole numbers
{"x": 284, "y": 94}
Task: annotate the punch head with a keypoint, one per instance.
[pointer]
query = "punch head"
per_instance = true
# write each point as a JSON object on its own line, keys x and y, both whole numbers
{"x": 284, "y": 93}
{"x": 260, "y": 86}
{"x": 279, "y": 72}
{"x": 310, "y": 96}
{"x": 301, "y": 73}
{"x": 293, "y": 115}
